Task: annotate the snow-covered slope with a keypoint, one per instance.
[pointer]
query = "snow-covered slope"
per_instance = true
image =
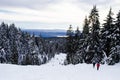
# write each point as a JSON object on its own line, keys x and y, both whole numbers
{"x": 57, "y": 60}
{"x": 55, "y": 71}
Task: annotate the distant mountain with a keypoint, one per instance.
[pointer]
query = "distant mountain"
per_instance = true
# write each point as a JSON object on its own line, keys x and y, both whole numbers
{"x": 47, "y": 33}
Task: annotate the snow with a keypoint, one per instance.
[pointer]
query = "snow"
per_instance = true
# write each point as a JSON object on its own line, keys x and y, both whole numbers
{"x": 53, "y": 70}
{"x": 57, "y": 60}
{"x": 2, "y": 54}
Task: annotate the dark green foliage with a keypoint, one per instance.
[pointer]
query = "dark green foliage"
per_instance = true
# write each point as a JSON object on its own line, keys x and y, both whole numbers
{"x": 70, "y": 44}
{"x": 19, "y": 47}
{"x": 93, "y": 52}
{"x": 86, "y": 26}
{"x": 107, "y": 31}
{"x": 115, "y": 42}
{"x": 96, "y": 44}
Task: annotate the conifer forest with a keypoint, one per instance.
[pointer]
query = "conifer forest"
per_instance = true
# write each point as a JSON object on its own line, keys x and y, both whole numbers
{"x": 97, "y": 42}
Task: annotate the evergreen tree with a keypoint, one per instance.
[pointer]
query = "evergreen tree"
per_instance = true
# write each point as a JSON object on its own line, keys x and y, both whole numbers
{"x": 94, "y": 20}
{"x": 77, "y": 42}
{"x": 115, "y": 42}
{"x": 77, "y": 39}
{"x": 107, "y": 32}
{"x": 109, "y": 39}
{"x": 84, "y": 41}
{"x": 93, "y": 45}
{"x": 70, "y": 44}
{"x": 13, "y": 46}
{"x": 86, "y": 27}
{"x": 4, "y": 43}
{"x": 77, "y": 33}
{"x": 19, "y": 47}
{"x": 117, "y": 29}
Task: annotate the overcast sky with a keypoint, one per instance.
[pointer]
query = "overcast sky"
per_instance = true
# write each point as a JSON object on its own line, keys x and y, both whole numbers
{"x": 52, "y": 14}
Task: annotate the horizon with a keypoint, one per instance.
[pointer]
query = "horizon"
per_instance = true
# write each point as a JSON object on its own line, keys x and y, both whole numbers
{"x": 53, "y": 14}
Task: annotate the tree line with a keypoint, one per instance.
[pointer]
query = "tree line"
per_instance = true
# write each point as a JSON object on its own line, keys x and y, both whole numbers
{"x": 95, "y": 43}
{"x": 22, "y": 48}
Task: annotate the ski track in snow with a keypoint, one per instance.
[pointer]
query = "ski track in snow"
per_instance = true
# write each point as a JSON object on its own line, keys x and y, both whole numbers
{"x": 54, "y": 70}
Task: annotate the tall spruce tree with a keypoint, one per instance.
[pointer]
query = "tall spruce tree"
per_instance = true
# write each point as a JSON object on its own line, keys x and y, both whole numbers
{"x": 115, "y": 42}
{"x": 107, "y": 37}
{"x": 117, "y": 29}
{"x": 107, "y": 32}
{"x": 93, "y": 45}
{"x": 13, "y": 46}
{"x": 84, "y": 42}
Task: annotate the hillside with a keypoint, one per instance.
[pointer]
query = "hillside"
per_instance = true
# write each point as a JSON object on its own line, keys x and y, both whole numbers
{"x": 55, "y": 71}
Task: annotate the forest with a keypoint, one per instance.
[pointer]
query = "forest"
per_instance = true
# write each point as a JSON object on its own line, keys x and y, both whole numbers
{"x": 95, "y": 43}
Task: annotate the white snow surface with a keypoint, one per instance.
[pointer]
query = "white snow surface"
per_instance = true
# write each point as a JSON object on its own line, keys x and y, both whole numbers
{"x": 54, "y": 70}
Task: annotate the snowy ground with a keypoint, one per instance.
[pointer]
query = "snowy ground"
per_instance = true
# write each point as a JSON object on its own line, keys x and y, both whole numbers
{"x": 55, "y": 71}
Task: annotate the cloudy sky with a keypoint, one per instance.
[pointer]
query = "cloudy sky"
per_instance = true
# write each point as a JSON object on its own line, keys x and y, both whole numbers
{"x": 52, "y": 14}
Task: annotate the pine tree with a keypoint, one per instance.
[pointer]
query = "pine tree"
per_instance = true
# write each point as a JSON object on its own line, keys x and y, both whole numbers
{"x": 107, "y": 32}
{"x": 25, "y": 41}
{"x": 108, "y": 37}
{"x": 70, "y": 44}
{"x": 86, "y": 27}
{"x": 84, "y": 41}
{"x": 13, "y": 46}
{"x": 4, "y": 43}
{"x": 115, "y": 46}
{"x": 117, "y": 29}
{"x": 93, "y": 45}
{"x": 77, "y": 42}
{"x": 19, "y": 47}
{"x": 77, "y": 33}
{"x": 77, "y": 39}
{"x": 94, "y": 19}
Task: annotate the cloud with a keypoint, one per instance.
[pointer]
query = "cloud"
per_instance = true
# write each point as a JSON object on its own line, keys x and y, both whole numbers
{"x": 57, "y": 13}
{"x": 96, "y": 2}
{"x": 53, "y": 13}
{"x": 34, "y": 4}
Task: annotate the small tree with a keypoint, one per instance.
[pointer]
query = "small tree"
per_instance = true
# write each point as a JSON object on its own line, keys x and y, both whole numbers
{"x": 70, "y": 44}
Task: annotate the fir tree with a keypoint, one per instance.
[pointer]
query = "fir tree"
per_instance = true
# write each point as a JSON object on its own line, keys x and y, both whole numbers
{"x": 107, "y": 32}
{"x": 86, "y": 27}
{"x": 117, "y": 29}
{"x": 93, "y": 48}
{"x": 115, "y": 43}
{"x": 70, "y": 44}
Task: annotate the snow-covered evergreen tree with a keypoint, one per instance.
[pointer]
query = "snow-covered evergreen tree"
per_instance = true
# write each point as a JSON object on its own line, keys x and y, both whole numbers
{"x": 85, "y": 27}
{"x": 4, "y": 43}
{"x": 106, "y": 35}
{"x": 70, "y": 45}
{"x": 114, "y": 56}
{"x": 18, "y": 47}
{"x": 92, "y": 41}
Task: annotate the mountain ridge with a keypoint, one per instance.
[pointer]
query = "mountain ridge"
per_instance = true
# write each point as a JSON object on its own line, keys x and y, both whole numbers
{"x": 46, "y": 32}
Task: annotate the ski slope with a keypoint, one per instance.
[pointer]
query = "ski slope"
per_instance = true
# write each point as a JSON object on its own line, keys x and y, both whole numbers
{"x": 54, "y": 70}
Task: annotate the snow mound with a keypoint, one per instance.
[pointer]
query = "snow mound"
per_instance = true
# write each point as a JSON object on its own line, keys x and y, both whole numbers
{"x": 58, "y": 59}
